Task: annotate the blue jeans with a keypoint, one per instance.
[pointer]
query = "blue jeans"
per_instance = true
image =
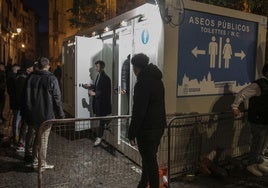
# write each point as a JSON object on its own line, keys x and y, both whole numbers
{"x": 23, "y": 131}
{"x": 258, "y": 142}
{"x": 15, "y": 123}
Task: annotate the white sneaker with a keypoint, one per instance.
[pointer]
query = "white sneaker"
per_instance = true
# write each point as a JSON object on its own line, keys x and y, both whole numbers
{"x": 44, "y": 167}
{"x": 253, "y": 169}
{"x": 97, "y": 141}
{"x": 20, "y": 149}
{"x": 35, "y": 165}
{"x": 47, "y": 167}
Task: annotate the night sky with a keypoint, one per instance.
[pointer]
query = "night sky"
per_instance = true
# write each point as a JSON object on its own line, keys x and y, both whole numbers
{"x": 41, "y": 9}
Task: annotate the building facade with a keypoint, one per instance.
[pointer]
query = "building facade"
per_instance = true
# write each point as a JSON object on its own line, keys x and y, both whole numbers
{"x": 18, "y": 31}
{"x": 59, "y": 25}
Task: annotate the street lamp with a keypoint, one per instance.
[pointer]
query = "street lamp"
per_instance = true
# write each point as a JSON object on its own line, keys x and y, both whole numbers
{"x": 18, "y": 30}
{"x": 14, "y": 44}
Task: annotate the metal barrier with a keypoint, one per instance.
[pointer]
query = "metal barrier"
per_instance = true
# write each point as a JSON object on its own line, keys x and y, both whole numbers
{"x": 193, "y": 137}
{"x": 187, "y": 139}
{"x": 77, "y": 162}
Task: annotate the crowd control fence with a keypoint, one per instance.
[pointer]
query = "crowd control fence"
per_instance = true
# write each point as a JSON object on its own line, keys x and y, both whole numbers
{"x": 187, "y": 139}
{"x": 77, "y": 163}
{"x": 194, "y": 137}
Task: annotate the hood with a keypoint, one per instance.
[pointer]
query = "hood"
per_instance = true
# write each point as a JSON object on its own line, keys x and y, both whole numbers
{"x": 150, "y": 71}
{"x": 42, "y": 72}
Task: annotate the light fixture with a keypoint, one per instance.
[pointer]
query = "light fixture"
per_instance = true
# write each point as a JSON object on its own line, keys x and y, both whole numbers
{"x": 19, "y": 30}
{"x": 106, "y": 29}
{"x": 123, "y": 23}
{"x": 142, "y": 18}
{"x": 23, "y": 45}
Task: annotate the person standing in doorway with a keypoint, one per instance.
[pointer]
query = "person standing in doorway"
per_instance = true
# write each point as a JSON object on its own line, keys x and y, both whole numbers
{"x": 257, "y": 93}
{"x": 148, "y": 117}
{"x": 125, "y": 75}
{"x": 125, "y": 82}
{"x": 43, "y": 102}
{"x": 101, "y": 93}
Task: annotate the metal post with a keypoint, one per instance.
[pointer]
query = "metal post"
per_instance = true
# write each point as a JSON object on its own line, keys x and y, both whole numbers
{"x": 40, "y": 178}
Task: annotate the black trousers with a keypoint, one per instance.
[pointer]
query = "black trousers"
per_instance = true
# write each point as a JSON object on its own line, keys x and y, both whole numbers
{"x": 259, "y": 142}
{"x": 148, "y": 148}
{"x": 101, "y": 128}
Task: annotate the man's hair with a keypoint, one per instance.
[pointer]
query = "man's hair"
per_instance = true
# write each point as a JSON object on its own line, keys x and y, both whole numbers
{"x": 265, "y": 69}
{"x": 101, "y": 63}
{"x": 140, "y": 60}
{"x": 43, "y": 62}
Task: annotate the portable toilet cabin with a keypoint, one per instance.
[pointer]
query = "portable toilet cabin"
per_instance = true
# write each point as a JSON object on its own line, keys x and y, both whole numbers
{"x": 203, "y": 51}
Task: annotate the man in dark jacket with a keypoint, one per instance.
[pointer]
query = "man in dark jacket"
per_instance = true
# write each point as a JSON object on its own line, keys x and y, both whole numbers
{"x": 43, "y": 102}
{"x": 257, "y": 93}
{"x": 125, "y": 73}
{"x": 12, "y": 102}
{"x": 148, "y": 117}
{"x": 101, "y": 93}
{"x": 19, "y": 84}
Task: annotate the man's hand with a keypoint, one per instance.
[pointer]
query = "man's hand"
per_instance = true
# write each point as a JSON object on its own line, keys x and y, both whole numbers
{"x": 132, "y": 142}
{"x": 86, "y": 86}
{"x": 123, "y": 91}
{"x": 91, "y": 93}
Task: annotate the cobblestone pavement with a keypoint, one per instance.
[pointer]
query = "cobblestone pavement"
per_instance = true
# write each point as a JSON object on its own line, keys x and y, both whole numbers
{"x": 80, "y": 165}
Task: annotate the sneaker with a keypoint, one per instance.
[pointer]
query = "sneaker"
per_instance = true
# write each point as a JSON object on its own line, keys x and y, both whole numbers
{"x": 47, "y": 167}
{"x": 97, "y": 141}
{"x": 20, "y": 148}
{"x": 35, "y": 165}
{"x": 253, "y": 169}
{"x": 44, "y": 167}
{"x": 263, "y": 167}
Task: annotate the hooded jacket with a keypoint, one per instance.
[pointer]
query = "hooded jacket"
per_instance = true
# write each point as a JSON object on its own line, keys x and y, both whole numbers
{"x": 42, "y": 98}
{"x": 258, "y": 105}
{"x": 148, "y": 113}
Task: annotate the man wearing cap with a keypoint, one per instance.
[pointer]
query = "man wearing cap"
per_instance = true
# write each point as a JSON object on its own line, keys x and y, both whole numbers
{"x": 148, "y": 117}
{"x": 257, "y": 93}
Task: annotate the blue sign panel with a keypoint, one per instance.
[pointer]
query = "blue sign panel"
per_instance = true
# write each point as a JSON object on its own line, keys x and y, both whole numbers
{"x": 216, "y": 54}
